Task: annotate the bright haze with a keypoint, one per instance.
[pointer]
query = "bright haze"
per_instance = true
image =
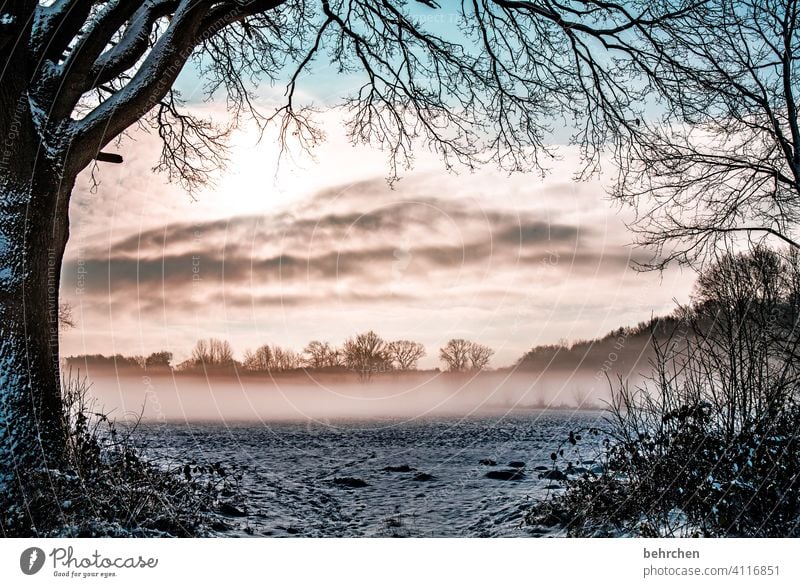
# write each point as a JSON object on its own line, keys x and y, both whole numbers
{"x": 320, "y": 246}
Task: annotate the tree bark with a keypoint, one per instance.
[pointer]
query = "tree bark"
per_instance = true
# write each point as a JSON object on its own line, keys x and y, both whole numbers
{"x": 33, "y": 235}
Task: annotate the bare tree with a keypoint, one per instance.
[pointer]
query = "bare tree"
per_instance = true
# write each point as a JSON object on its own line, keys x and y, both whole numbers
{"x": 320, "y": 355}
{"x": 460, "y": 355}
{"x": 271, "y": 358}
{"x": 405, "y": 353}
{"x": 366, "y": 354}
{"x": 258, "y": 360}
{"x": 200, "y": 352}
{"x": 285, "y": 359}
{"x": 455, "y": 354}
{"x": 212, "y": 352}
{"x": 65, "y": 316}
{"x": 723, "y": 163}
{"x": 220, "y": 352}
{"x": 78, "y": 73}
{"x": 479, "y": 356}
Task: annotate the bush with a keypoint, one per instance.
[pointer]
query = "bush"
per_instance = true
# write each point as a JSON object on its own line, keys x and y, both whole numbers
{"x": 708, "y": 445}
{"x": 107, "y": 485}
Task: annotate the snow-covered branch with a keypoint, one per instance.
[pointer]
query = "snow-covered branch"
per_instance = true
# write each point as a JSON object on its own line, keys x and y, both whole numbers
{"x": 151, "y": 82}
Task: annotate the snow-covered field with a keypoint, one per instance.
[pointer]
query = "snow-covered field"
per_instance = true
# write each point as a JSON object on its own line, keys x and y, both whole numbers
{"x": 382, "y": 477}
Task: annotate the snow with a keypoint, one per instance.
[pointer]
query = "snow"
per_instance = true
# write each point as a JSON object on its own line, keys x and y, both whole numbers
{"x": 290, "y": 467}
{"x": 40, "y": 119}
{"x": 7, "y": 19}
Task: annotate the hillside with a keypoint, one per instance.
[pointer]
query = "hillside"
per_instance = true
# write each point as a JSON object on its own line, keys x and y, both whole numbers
{"x": 623, "y": 351}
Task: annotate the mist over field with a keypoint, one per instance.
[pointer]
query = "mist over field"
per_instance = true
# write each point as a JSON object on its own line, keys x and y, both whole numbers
{"x": 184, "y": 397}
{"x": 218, "y": 388}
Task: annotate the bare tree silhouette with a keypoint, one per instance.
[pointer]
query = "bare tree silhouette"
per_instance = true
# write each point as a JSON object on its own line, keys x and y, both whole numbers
{"x": 271, "y": 358}
{"x": 284, "y": 359}
{"x": 405, "y": 353}
{"x": 461, "y": 355}
{"x": 320, "y": 355}
{"x": 258, "y": 360}
{"x": 479, "y": 356}
{"x": 724, "y": 161}
{"x": 366, "y": 354}
{"x": 455, "y": 354}
{"x": 212, "y": 352}
{"x": 66, "y": 318}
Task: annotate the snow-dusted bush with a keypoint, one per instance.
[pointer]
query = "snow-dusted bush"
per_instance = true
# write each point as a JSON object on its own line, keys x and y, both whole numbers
{"x": 110, "y": 486}
{"x": 709, "y": 444}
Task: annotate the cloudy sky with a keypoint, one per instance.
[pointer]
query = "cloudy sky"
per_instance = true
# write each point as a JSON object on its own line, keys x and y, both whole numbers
{"x": 325, "y": 248}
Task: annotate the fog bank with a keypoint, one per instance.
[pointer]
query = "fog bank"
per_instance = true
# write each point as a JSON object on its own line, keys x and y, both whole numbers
{"x": 179, "y": 397}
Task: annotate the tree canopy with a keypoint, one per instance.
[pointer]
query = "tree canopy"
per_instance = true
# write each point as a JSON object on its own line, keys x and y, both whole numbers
{"x": 722, "y": 161}
{"x": 491, "y": 91}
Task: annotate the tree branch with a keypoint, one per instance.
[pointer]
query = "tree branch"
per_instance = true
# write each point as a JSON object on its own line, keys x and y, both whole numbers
{"x": 149, "y": 85}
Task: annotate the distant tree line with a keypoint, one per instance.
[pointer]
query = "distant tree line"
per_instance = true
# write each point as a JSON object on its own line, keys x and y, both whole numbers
{"x": 157, "y": 360}
{"x": 621, "y": 351}
{"x": 365, "y": 354}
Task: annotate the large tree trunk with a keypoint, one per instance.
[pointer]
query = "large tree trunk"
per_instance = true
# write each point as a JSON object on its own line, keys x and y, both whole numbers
{"x": 33, "y": 235}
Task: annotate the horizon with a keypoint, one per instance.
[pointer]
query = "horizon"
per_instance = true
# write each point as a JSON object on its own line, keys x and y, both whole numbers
{"x": 239, "y": 356}
{"x": 514, "y": 261}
